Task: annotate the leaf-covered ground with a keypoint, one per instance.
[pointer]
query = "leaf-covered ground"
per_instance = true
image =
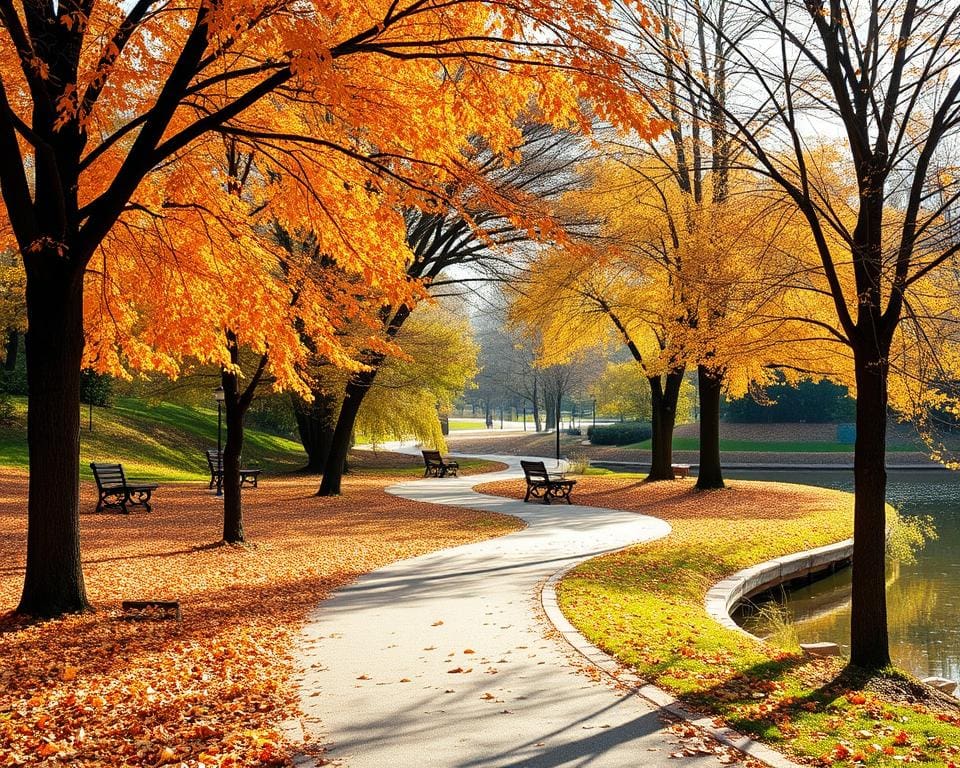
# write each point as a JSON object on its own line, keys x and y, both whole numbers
{"x": 645, "y": 606}
{"x": 94, "y": 690}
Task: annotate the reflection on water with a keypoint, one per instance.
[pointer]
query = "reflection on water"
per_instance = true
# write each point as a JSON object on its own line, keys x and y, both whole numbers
{"x": 923, "y": 599}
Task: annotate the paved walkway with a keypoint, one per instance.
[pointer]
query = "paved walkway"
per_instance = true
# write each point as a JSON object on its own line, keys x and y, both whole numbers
{"x": 445, "y": 661}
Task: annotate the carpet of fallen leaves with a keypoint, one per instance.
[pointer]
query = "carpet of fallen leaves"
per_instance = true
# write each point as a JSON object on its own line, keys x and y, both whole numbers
{"x": 212, "y": 689}
{"x": 644, "y": 605}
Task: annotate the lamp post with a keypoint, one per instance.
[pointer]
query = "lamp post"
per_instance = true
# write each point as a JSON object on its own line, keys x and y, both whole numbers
{"x": 218, "y": 396}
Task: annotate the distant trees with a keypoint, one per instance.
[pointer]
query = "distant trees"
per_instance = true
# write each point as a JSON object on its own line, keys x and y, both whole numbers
{"x": 437, "y": 360}
{"x": 622, "y": 392}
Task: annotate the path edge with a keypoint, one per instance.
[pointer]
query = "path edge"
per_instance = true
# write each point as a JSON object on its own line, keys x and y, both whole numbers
{"x": 724, "y": 596}
{"x": 656, "y": 697}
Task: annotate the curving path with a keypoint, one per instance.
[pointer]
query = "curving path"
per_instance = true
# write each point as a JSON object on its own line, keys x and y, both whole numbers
{"x": 445, "y": 661}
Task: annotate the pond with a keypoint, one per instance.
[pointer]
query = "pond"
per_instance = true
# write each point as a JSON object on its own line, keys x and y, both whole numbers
{"x": 923, "y": 599}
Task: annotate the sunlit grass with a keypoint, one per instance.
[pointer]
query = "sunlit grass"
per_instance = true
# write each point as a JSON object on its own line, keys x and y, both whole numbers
{"x": 645, "y": 606}
{"x": 155, "y": 441}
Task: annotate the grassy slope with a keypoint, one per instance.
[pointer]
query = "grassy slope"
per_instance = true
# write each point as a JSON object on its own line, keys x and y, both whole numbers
{"x": 155, "y": 441}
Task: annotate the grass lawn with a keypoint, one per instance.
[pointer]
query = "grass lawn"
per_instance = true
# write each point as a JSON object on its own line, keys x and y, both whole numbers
{"x": 645, "y": 606}
{"x": 459, "y": 424}
{"x": 771, "y": 446}
{"x": 155, "y": 441}
{"x": 92, "y": 690}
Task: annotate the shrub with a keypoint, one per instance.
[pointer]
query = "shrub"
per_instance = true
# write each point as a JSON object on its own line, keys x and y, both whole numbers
{"x": 577, "y": 463}
{"x": 625, "y": 433}
{"x": 7, "y": 411}
{"x": 274, "y": 415}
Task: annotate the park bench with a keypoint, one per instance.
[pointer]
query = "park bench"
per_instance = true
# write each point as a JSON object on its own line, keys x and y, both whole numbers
{"x": 542, "y": 485}
{"x": 115, "y": 492}
{"x": 680, "y": 470}
{"x": 249, "y": 477}
{"x": 436, "y": 466}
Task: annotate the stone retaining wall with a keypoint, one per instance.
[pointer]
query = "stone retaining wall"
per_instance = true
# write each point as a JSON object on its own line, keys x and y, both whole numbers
{"x": 724, "y": 595}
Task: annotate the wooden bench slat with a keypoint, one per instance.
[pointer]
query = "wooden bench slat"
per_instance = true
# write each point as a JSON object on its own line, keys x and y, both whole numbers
{"x": 114, "y": 490}
{"x": 436, "y": 466}
{"x": 541, "y": 484}
{"x": 249, "y": 477}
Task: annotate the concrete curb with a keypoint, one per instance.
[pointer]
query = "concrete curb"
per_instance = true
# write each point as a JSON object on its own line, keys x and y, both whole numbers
{"x": 651, "y": 694}
{"x": 724, "y": 595}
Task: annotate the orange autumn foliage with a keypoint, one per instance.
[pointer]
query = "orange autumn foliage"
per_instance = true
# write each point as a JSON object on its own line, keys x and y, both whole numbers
{"x": 351, "y": 111}
{"x": 113, "y": 117}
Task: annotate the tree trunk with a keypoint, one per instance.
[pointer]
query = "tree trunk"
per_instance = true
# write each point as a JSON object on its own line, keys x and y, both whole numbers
{"x": 53, "y": 583}
{"x": 710, "y": 474}
{"x": 315, "y": 424}
{"x": 664, "y": 393}
{"x": 536, "y": 407}
{"x": 869, "y": 645}
{"x": 232, "y": 449}
{"x": 356, "y": 390}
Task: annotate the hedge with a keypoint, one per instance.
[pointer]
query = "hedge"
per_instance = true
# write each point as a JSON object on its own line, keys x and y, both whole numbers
{"x": 625, "y": 433}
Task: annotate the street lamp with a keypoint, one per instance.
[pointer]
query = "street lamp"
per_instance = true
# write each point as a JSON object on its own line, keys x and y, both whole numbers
{"x": 218, "y": 396}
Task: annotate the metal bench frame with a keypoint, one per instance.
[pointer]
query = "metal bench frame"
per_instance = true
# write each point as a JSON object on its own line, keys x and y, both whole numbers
{"x": 542, "y": 485}
{"x": 114, "y": 490}
{"x": 436, "y": 466}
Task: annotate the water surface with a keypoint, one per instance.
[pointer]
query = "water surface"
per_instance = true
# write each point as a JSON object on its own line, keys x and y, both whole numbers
{"x": 923, "y": 599}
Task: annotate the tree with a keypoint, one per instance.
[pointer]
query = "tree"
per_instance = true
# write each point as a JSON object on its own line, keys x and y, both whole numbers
{"x": 883, "y": 74}
{"x": 437, "y": 360}
{"x": 95, "y": 389}
{"x": 506, "y": 203}
{"x": 622, "y": 391}
{"x": 92, "y": 143}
